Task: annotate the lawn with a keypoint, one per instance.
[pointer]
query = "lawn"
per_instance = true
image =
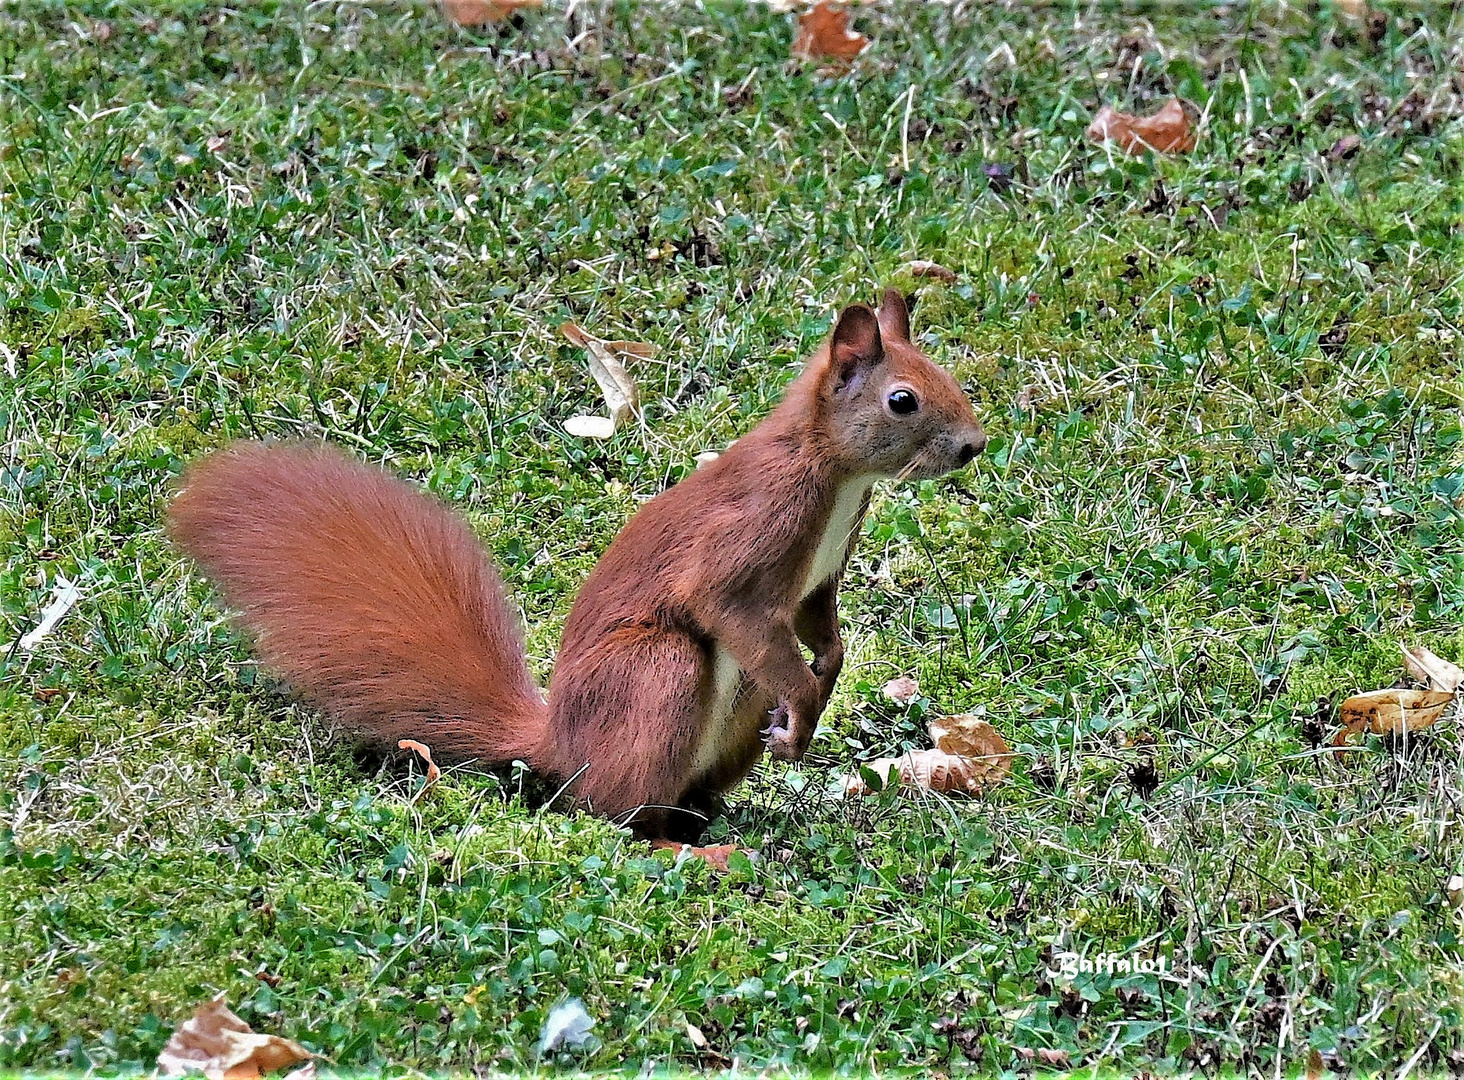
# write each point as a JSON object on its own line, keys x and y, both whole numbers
{"x": 1224, "y": 482}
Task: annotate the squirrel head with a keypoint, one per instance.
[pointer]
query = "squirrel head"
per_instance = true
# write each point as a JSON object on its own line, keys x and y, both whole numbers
{"x": 885, "y": 406}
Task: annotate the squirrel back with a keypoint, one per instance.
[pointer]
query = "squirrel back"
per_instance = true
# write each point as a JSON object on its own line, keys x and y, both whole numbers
{"x": 372, "y": 599}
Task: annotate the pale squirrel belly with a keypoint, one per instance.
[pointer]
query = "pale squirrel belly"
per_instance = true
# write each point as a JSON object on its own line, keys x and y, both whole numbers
{"x": 833, "y": 545}
{"x": 719, "y": 739}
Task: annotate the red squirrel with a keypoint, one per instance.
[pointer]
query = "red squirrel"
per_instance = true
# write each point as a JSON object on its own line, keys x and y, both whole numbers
{"x": 680, "y": 660}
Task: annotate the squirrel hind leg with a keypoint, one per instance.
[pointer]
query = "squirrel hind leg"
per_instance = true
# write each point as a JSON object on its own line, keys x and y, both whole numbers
{"x": 740, "y": 743}
{"x": 632, "y": 716}
{"x": 739, "y": 749}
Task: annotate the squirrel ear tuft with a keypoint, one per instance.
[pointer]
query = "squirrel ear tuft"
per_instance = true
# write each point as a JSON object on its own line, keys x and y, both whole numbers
{"x": 855, "y": 346}
{"x": 894, "y": 315}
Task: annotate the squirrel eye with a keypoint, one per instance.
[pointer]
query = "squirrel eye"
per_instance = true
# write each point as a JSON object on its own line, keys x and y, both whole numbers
{"x": 903, "y": 402}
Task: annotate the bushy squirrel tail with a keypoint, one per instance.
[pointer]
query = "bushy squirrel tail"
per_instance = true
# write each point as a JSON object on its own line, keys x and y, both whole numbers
{"x": 372, "y": 599}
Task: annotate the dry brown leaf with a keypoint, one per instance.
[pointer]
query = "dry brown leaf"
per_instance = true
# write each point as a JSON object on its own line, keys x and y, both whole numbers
{"x": 926, "y": 268}
{"x": 969, "y": 756}
{"x": 824, "y": 34}
{"x": 934, "y": 770}
{"x": 481, "y": 12}
{"x": 222, "y": 1047}
{"x": 1390, "y": 711}
{"x": 1314, "y": 1064}
{"x": 970, "y": 736}
{"x": 903, "y": 690}
{"x": 715, "y": 856}
{"x": 1168, "y": 131}
{"x": 1427, "y": 666}
{"x": 607, "y": 366}
{"x": 1352, "y": 9}
{"x": 931, "y": 769}
{"x": 433, "y": 772}
{"x": 1045, "y": 1054}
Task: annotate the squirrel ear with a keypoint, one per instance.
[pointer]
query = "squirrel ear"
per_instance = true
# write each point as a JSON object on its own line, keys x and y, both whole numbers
{"x": 894, "y": 315}
{"x": 855, "y": 346}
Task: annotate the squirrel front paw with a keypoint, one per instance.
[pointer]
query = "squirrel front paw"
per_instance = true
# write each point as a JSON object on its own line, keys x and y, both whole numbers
{"x": 781, "y": 741}
{"x": 782, "y": 745}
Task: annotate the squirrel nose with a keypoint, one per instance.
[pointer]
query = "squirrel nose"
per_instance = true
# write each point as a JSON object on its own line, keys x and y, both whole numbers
{"x": 973, "y": 445}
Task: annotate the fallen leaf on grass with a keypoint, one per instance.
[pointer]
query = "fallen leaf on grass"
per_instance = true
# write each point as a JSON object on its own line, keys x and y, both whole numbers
{"x": 1390, "y": 711}
{"x": 970, "y": 736}
{"x": 933, "y": 770}
{"x": 63, "y": 599}
{"x": 903, "y": 690}
{"x": 926, "y": 268}
{"x": 969, "y": 756}
{"x": 717, "y": 856}
{"x": 222, "y": 1047}
{"x": 567, "y": 1026}
{"x": 481, "y": 12}
{"x": 433, "y": 772}
{"x": 607, "y": 366}
{"x": 1344, "y": 148}
{"x": 590, "y": 427}
{"x": 1045, "y": 1054}
{"x": 1427, "y": 666}
{"x": 967, "y": 1040}
{"x": 1351, "y": 9}
{"x": 824, "y": 34}
{"x": 1314, "y": 1064}
{"x": 1168, "y": 131}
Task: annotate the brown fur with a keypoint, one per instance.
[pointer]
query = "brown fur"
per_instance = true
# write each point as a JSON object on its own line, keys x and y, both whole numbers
{"x": 379, "y": 605}
{"x": 372, "y": 599}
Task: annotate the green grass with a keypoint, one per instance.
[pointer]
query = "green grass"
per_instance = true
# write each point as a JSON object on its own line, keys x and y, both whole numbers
{"x": 1225, "y": 477}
